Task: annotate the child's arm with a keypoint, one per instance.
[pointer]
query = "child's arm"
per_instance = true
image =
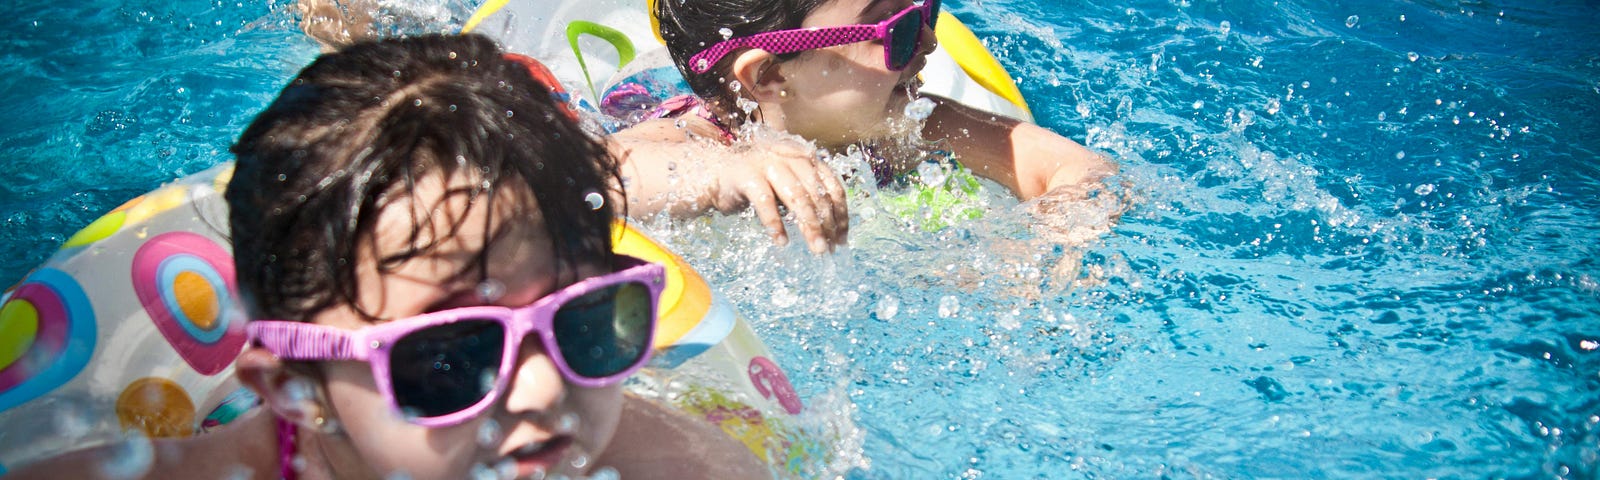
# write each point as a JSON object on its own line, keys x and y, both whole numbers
{"x": 246, "y": 445}
{"x": 655, "y": 442}
{"x": 336, "y": 23}
{"x": 1026, "y": 158}
{"x": 684, "y": 172}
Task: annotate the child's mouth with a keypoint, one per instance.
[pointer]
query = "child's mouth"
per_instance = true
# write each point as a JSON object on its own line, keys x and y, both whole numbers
{"x": 537, "y": 459}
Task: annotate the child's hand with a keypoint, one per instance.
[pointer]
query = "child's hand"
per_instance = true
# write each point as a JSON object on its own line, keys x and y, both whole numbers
{"x": 768, "y": 176}
{"x": 680, "y": 166}
{"x": 336, "y": 23}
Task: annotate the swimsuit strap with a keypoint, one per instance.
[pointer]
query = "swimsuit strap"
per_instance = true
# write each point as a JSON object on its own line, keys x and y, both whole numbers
{"x": 881, "y": 170}
{"x": 691, "y": 105}
{"x": 286, "y": 449}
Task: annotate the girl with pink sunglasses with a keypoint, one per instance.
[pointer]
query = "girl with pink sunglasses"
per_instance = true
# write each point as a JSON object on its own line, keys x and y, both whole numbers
{"x": 423, "y": 246}
{"x": 837, "y": 73}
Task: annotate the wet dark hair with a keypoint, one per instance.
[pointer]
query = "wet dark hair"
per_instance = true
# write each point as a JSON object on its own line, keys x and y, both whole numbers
{"x": 689, "y": 26}
{"x": 358, "y": 129}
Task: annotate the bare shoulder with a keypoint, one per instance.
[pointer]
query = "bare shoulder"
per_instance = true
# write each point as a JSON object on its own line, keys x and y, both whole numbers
{"x": 653, "y": 441}
{"x": 680, "y": 129}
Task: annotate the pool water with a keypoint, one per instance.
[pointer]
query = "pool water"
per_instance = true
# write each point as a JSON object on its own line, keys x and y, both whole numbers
{"x": 1359, "y": 241}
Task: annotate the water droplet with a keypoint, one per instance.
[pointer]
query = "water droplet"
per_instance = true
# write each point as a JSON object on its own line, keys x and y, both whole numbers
{"x": 579, "y": 461}
{"x": 1423, "y": 189}
{"x": 1352, "y": 21}
{"x": 490, "y": 290}
{"x": 239, "y": 472}
{"x": 887, "y": 308}
{"x": 920, "y": 109}
{"x": 130, "y": 458}
{"x": 568, "y": 423}
{"x": 605, "y": 473}
{"x": 726, "y": 33}
{"x": 949, "y": 306}
{"x": 1273, "y": 106}
{"x": 489, "y": 433}
{"x": 747, "y": 105}
{"x": 1198, "y": 104}
{"x": 595, "y": 200}
{"x": 1225, "y": 27}
{"x": 1412, "y": 56}
{"x": 507, "y": 468}
{"x": 410, "y": 414}
{"x": 397, "y": 475}
{"x": 1400, "y": 155}
{"x": 483, "y": 472}
{"x": 932, "y": 173}
{"x": 701, "y": 64}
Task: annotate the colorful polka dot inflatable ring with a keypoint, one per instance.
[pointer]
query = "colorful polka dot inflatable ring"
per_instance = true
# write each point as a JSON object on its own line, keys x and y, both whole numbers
{"x": 131, "y": 326}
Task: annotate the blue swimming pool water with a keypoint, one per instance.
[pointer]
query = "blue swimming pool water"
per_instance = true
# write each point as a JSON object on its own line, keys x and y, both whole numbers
{"x": 1361, "y": 239}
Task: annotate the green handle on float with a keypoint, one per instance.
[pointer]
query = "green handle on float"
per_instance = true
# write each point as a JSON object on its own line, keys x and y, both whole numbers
{"x": 616, "y": 38}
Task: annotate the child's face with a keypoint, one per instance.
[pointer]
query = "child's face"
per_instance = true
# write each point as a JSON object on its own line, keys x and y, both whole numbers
{"x": 846, "y": 94}
{"x": 540, "y": 421}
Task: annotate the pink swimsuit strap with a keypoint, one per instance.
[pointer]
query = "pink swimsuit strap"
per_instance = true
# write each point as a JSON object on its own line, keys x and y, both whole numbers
{"x": 286, "y": 449}
{"x": 690, "y": 105}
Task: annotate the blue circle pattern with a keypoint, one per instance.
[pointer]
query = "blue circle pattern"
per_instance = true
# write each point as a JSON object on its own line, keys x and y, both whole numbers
{"x": 167, "y": 274}
{"x": 81, "y": 338}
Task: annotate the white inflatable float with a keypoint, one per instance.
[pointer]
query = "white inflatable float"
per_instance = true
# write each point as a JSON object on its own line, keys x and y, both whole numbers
{"x": 132, "y": 327}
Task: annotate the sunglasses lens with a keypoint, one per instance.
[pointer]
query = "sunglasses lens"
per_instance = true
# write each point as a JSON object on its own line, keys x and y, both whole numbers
{"x": 445, "y": 369}
{"x": 903, "y": 41}
{"x": 933, "y": 13}
{"x": 606, "y": 331}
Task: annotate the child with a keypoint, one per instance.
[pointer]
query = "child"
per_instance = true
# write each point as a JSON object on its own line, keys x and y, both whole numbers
{"x": 836, "y": 73}
{"x": 423, "y": 245}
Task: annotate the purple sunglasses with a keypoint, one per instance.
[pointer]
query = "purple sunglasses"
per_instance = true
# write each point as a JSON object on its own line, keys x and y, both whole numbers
{"x": 901, "y": 35}
{"x": 443, "y": 368}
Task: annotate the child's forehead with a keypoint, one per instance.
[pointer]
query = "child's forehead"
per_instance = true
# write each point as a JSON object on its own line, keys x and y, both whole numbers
{"x": 452, "y": 215}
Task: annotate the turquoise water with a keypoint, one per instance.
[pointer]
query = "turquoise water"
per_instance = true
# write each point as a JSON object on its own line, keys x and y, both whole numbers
{"x": 1361, "y": 239}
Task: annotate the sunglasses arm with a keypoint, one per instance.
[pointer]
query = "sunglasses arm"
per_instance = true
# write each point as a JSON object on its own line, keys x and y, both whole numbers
{"x": 787, "y": 41}
{"x": 305, "y": 341}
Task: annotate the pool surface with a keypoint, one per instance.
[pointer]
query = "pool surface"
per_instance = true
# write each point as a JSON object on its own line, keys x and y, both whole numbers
{"x": 1360, "y": 241}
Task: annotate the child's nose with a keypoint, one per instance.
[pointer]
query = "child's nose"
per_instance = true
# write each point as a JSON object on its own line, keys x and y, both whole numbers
{"x": 928, "y": 41}
{"x": 536, "y": 384}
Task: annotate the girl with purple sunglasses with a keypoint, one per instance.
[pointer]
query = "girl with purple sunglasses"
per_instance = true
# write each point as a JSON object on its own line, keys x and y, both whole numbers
{"x": 837, "y": 73}
{"x": 423, "y": 246}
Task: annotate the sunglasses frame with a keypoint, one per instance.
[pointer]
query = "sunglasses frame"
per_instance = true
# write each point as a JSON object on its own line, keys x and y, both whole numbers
{"x": 291, "y": 340}
{"x": 801, "y": 39}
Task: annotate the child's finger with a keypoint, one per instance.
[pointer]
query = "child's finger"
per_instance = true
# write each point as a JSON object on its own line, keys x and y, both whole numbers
{"x": 812, "y": 190}
{"x": 765, "y": 202}
{"x": 833, "y": 188}
{"x": 792, "y": 193}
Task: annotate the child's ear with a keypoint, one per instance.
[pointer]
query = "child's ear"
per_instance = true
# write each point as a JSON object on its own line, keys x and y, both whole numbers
{"x": 759, "y": 76}
{"x": 288, "y": 393}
